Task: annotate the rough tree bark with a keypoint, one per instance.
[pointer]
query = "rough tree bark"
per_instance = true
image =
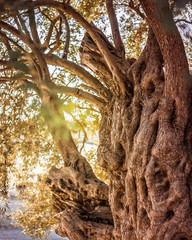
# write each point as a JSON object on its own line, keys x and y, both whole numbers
{"x": 145, "y": 133}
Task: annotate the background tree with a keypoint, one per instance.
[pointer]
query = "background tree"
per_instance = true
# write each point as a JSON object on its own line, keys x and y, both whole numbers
{"x": 145, "y": 106}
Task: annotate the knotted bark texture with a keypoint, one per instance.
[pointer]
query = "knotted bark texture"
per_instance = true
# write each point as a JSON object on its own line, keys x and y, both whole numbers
{"x": 150, "y": 193}
{"x": 81, "y": 204}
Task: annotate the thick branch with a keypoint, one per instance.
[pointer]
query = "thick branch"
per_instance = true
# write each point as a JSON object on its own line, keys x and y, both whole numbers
{"x": 161, "y": 20}
{"x": 177, "y": 81}
{"x": 33, "y": 27}
{"x": 92, "y": 58}
{"x": 78, "y": 196}
{"x": 96, "y": 101}
{"x": 118, "y": 77}
{"x": 115, "y": 28}
{"x": 80, "y": 72}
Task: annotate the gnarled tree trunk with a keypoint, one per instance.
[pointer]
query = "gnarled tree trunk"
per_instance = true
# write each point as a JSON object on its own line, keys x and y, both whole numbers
{"x": 146, "y": 149}
{"x": 145, "y": 146}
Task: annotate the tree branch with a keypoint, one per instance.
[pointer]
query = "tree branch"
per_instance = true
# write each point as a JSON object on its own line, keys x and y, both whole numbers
{"x": 17, "y": 23}
{"x": 33, "y": 27}
{"x": 47, "y": 40}
{"x": 14, "y": 62}
{"x": 9, "y": 79}
{"x": 183, "y": 20}
{"x": 23, "y": 24}
{"x": 66, "y": 48}
{"x": 69, "y": 91}
{"x": 89, "y": 88}
{"x": 62, "y": 135}
{"x": 43, "y": 70}
{"x": 96, "y": 101}
{"x": 82, "y": 128}
{"x": 52, "y": 25}
{"x": 14, "y": 78}
{"x": 115, "y": 28}
{"x": 29, "y": 57}
{"x": 177, "y": 79}
{"x": 12, "y": 41}
{"x": 81, "y": 73}
{"x": 119, "y": 78}
{"x": 6, "y": 69}
{"x": 4, "y": 63}
{"x": 135, "y": 8}
{"x": 90, "y": 109}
